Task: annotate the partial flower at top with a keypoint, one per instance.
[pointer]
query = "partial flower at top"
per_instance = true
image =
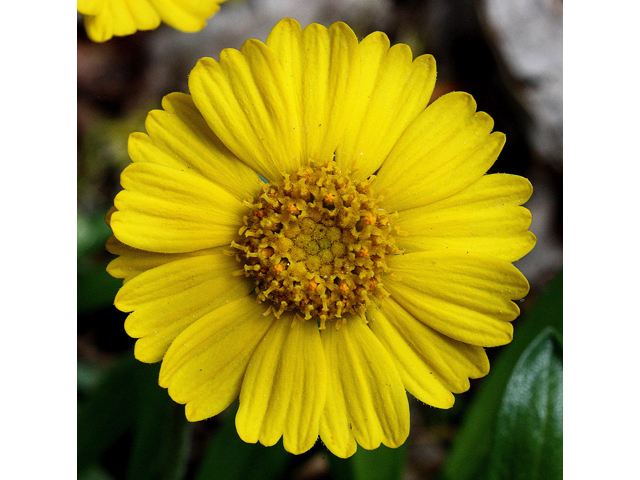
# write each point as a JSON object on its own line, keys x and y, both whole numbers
{"x": 104, "y": 19}
{"x": 376, "y": 258}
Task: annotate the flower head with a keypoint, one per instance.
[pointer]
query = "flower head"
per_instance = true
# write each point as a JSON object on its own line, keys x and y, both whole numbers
{"x": 374, "y": 260}
{"x": 105, "y": 18}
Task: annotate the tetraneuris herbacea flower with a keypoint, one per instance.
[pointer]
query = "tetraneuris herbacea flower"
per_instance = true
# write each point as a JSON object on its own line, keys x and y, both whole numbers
{"x": 376, "y": 258}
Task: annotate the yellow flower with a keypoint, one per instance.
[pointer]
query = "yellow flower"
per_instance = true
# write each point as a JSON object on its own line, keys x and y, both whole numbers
{"x": 105, "y": 18}
{"x": 377, "y": 260}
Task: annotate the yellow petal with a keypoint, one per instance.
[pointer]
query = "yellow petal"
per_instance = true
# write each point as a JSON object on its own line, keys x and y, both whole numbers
{"x": 366, "y": 400}
{"x": 179, "y": 137}
{"x": 447, "y": 148}
{"x": 144, "y": 13}
{"x": 431, "y": 364}
{"x": 120, "y": 17}
{"x": 186, "y": 16}
{"x": 416, "y": 373}
{"x": 321, "y": 64}
{"x": 205, "y": 364}
{"x": 464, "y": 296}
{"x": 284, "y": 389}
{"x": 392, "y": 92}
{"x": 483, "y": 218}
{"x": 166, "y": 210}
{"x": 106, "y": 18}
{"x": 90, "y": 7}
{"x": 131, "y": 261}
{"x": 249, "y": 104}
{"x": 167, "y": 299}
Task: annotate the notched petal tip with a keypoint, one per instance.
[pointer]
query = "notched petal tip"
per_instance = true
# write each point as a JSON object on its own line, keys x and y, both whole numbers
{"x": 285, "y": 371}
{"x": 367, "y": 402}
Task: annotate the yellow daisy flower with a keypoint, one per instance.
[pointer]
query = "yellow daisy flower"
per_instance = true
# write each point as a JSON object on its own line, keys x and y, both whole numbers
{"x": 374, "y": 260}
{"x": 105, "y": 18}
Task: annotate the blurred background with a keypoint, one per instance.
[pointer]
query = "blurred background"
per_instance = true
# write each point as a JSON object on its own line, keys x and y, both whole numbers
{"x": 508, "y": 55}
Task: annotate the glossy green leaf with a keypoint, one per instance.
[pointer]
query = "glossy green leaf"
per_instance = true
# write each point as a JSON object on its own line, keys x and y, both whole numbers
{"x": 528, "y": 440}
{"x": 383, "y": 463}
{"x": 469, "y": 456}
{"x": 229, "y": 458}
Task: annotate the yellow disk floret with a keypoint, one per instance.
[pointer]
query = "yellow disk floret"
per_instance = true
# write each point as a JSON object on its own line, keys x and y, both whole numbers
{"x": 316, "y": 243}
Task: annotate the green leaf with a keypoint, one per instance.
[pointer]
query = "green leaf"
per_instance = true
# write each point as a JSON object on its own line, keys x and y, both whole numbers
{"x": 469, "y": 456}
{"x": 528, "y": 440}
{"x": 383, "y": 463}
{"x": 161, "y": 434}
{"x": 229, "y": 458}
{"x": 129, "y": 400}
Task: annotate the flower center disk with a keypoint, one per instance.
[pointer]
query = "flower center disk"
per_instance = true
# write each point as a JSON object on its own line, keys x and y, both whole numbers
{"x": 316, "y": 243}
